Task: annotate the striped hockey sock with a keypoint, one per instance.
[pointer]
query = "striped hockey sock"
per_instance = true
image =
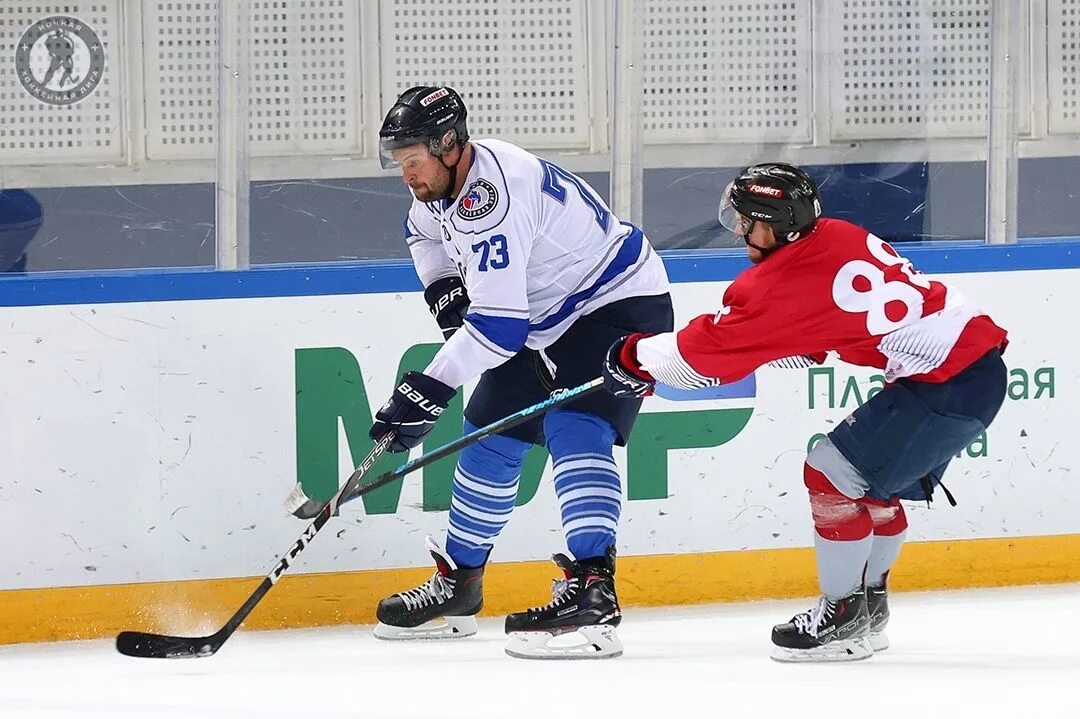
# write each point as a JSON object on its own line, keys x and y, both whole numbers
{"x": 483, "y": 496}
{"x": 586, "y": 480}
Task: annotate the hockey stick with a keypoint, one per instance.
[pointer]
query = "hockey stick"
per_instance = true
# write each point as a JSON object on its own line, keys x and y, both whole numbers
{"x": 164, "y": 646}
{"x": 312, "y": 507}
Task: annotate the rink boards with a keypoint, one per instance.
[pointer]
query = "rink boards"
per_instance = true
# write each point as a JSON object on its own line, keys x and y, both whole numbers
{"x": 153, "y": 425}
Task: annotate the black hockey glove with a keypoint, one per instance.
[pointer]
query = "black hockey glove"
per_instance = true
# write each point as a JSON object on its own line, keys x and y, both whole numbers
{"x": 411, "y": 411}
{"x": 449, "y": 304}
{"x": 623, "y": 376}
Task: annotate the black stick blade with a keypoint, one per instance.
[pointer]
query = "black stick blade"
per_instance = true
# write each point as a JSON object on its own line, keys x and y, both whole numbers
{"x": 163, "y": 646}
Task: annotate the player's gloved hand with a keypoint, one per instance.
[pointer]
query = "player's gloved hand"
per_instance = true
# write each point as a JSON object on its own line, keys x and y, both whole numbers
{"x": 623, "y": 376}
{"x": 411, "y": 411}
{"x": 449, "y": 303}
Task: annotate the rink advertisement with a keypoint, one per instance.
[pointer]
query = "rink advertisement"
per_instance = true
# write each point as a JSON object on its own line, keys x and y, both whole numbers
{"x": 147, "y": 443}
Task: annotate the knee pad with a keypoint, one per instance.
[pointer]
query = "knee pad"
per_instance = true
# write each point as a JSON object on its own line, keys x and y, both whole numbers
{"x": 842, "y": 474}
{"x": 496, "y": 458}
{"x": 570, "y": 432}
{"x": 889, "y": 519}
{"x": 837, "y": 517}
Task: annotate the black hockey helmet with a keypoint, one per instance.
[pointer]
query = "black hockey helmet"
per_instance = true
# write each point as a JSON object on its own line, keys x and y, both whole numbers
{"x": 428, "y": 114}
{"x": 780, "y": 195}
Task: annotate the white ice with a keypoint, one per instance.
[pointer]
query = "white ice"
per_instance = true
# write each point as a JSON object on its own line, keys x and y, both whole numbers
{"x": 983, "y": 653}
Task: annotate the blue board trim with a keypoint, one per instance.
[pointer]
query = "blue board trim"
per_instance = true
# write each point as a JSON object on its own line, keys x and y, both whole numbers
{"x": 382, "y": 276}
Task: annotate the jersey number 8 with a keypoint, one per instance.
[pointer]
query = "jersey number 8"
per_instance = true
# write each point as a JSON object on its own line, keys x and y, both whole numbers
{"x": 861, "y": 286}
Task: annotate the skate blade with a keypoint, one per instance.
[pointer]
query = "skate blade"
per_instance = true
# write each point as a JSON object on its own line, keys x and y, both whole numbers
{"x": 595, "y": 642}
{"x": 879, "y": 641}
{"x": 846, "y": 650}
{"x": 444, "y": 628}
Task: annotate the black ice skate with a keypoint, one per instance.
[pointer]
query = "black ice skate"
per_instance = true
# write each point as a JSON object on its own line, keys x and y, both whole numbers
{"x": 452, "y": 594}
{"x": 580, "y": 621}
{"x": 833, "y": 631}
{"x": 877, "y": 606}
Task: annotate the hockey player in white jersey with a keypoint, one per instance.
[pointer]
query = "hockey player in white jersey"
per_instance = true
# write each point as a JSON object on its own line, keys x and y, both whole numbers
{"x": 531, "y": 278}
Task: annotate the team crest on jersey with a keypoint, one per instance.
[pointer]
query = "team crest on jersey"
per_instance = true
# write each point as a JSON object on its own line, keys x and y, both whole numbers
{"x": 479, "y": 200}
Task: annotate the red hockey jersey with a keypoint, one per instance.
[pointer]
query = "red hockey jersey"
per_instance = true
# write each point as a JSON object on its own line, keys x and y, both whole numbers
{"x": 839, "y": 288}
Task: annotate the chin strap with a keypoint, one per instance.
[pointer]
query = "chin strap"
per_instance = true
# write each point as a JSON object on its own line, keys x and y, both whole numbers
{"x": 759, "y": 248}
{"x": 452, "y": 169}
{"x": 765, "y": 252}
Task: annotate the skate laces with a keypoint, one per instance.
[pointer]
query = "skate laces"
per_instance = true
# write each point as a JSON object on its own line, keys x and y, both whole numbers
{"x": 561, "y": 590}
{"x": 810, "y": 621}
{"x": 437, "y": 589}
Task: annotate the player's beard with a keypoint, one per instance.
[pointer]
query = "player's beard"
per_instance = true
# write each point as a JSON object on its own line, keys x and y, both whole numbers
{"x": 438, "y": 189}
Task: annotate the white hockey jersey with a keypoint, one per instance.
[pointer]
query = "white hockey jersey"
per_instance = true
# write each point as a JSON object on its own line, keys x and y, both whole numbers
{"x": 536, "y": 248}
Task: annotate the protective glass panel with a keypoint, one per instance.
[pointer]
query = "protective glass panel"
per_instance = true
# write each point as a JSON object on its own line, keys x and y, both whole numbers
{"x": 65, "y": 133}
{"x": 522, "y": 68}
{"x": 884, "y": 102}
{"x": 1047, "y": 185}
{"x": 108, "y": 139}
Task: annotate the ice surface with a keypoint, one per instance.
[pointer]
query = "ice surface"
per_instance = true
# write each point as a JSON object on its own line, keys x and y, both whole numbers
{"x": 981, "y": 653}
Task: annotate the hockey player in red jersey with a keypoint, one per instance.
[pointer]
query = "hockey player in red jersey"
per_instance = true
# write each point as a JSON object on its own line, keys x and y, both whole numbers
{"x": 820, "y": 285}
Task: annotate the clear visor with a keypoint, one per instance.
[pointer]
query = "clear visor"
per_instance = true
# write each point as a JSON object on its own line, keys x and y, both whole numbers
{"x": 388, "y": 145}
{"x": 729, "y": 217}
{"x": 386, "y": 149}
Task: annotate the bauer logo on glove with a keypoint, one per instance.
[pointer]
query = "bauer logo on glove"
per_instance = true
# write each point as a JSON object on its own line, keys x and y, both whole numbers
{"x": 411, "y": 411}
{"x": 422, "y": 402}
{"x": 449, "y": 303}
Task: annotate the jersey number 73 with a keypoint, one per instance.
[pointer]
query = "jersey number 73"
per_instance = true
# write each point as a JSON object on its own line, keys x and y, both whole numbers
{"x": 493, "y": 253}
